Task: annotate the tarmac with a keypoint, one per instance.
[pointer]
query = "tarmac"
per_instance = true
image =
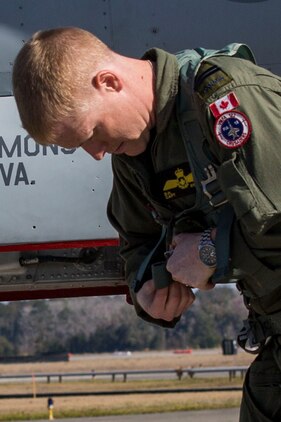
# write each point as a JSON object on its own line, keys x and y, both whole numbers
{"x": 218, "y": 415}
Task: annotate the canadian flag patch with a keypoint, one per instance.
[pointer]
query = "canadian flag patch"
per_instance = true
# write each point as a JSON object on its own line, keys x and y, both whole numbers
{"x": 226, "y": 103}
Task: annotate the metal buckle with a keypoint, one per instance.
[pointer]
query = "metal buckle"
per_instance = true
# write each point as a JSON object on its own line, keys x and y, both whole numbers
{"x": 212, "y": 177}
{"x": 246, "y": 339}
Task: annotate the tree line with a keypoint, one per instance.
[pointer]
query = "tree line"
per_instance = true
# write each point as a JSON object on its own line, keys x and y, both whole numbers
{"x": 107, "y": 324}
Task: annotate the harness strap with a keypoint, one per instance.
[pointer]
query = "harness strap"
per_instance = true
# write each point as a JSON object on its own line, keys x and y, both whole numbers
{"x": 155, "y": 270}
{"x": 210, "y": 198}
{"x": 222, "y": 243}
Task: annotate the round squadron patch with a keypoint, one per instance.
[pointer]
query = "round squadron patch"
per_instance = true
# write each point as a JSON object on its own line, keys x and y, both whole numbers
{"x": 233, "y": 129}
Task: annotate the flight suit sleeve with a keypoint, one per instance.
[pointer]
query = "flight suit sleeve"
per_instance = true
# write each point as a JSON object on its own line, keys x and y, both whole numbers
{"x": 249, "y": 173}
{"x": 130, "y": 215}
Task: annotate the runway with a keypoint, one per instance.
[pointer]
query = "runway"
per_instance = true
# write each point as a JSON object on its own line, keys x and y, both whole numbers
{"x": 218, "y": 415}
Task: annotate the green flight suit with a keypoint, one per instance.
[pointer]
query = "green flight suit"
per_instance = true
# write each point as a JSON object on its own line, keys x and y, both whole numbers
{"x": 248, "y": 176}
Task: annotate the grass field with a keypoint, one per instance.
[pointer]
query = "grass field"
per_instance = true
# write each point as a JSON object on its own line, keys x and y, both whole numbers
{"x": 36, "y": 408}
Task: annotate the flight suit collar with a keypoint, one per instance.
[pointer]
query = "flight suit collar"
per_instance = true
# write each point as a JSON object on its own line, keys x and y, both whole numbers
{"x": 167, "y": 74}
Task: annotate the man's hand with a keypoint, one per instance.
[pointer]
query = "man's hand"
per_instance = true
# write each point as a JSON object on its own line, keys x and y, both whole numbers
{"x": 185, "y": 264}
{"x": 167, "y": 303}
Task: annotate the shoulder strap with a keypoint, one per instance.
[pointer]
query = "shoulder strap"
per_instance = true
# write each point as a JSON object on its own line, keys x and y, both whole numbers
{"x": 241, "y": 51}
{"x": 190, "y": 60}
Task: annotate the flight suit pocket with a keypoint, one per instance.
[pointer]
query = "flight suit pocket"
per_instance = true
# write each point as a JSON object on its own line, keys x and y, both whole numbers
{"x": 252, "y": 207}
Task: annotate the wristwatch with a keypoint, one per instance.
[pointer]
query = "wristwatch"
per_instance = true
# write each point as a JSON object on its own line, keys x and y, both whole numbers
{"x": 207, "y": 249}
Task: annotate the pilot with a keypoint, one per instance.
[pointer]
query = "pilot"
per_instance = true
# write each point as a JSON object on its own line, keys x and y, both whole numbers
{"x": 210, "y": 119}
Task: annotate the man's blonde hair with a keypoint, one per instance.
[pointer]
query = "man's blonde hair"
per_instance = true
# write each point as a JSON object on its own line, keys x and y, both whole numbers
{"x": 51, "y": 77}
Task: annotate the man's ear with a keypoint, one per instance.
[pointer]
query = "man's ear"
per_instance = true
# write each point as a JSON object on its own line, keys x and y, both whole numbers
{"x": 107, "y": 80}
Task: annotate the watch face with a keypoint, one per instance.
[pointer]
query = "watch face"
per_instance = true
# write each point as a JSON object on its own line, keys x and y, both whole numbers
{"x": 208, "y": 255}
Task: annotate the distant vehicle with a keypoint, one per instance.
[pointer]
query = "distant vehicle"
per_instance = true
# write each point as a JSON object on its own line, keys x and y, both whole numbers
{"x": 122, "y": 353}
{"x": 55, "y": 237}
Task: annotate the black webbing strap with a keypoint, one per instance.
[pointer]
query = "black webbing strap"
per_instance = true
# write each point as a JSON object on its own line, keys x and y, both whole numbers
{"x": 155, "y": 270}
{"x": 222, "y": 243}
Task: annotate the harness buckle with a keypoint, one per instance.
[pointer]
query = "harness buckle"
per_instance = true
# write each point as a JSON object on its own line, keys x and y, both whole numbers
{"x": 247, "y": 340}
{"x": 212, "y": 189}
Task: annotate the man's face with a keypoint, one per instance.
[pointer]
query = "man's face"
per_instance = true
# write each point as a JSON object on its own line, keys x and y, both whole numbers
{"x": 113, "y": 127}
